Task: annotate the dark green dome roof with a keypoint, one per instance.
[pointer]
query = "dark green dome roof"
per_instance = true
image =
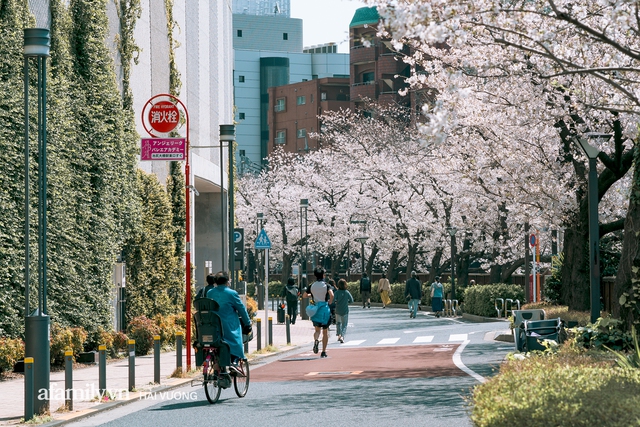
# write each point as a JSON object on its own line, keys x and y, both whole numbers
{"x": 365, "y": 15}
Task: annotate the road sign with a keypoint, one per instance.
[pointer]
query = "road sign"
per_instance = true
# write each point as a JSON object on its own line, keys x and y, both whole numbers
{"x": 162, "y": 149}
{"x": 263, "y": 242}
{"x": 532, "y": 240}
{"x": 295, "y": 269}
{"x": 164, "y": 116}
{"x": 238, "y": 248}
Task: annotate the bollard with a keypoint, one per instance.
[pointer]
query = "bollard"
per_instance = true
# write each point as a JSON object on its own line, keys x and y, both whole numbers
{"x": 179, "y": 350}
{"x": 132, "y": 365}
{"x": 28, "y": 388}
{"x": 270, "y": 330}
{"x": 156, "y": 359}
{"x": 288, "y": 328}
{"x": 499, "y": 309}
{"x": 102, "y": 369}
{"x": 259, "y": 333}
{"x": 68, "y": 380}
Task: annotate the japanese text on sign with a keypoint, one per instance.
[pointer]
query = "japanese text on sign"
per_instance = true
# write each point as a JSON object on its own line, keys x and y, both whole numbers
{"x": 162, "y": 149}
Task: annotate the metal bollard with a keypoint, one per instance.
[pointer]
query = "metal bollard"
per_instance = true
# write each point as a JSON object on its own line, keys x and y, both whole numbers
{"x": 259, "y": 333}
{"x": 28, "y": 388}
{"x": 270, "y": 330}
{"x": 156, "y": 359}
{"x": 132, "y": 365}
{"x": 68, "y": 380}
{"x": 499, "y": 309}
{"x": 455, "y": 307}
{"x": 288, "y": 328}
{"x": 178, "y": 350}
{"x": 102, "y": 369}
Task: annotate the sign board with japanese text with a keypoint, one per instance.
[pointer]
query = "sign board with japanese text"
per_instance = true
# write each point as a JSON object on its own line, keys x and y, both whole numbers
{"x": 162, "y": 149}
{"x": 164, "y": 116}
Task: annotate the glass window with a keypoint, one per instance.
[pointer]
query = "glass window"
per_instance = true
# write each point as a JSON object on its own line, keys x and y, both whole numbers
{"x": 281, "y": 137}
{"x": 239, "y": 33}
{"x": 241, "y": 79}
{"x": 301, "y": 100}
{"x": 323, "y": 96}
{"x": 241, "y": 116}
{"x": 280, "y": 105}
{"x": 368, "y": 77}
{"x": 285, "y": 36}
{"x": 302, "y": 133}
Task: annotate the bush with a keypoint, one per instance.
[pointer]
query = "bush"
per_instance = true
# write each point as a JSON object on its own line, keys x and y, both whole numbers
{"x": 252, "y": 307}
{"x": 11, "y": 350}
{"x": 168, "y": 326}
{"x": 558, "y": 390}
{"x": 605, "y": 332}
{"x": 141, "y": 329}
{"x": 480, "y": 299}
{"x": 562, "y": 311}
{"x": 98, "y": 338}
{"x": 63, "y": 339}
{"x": 120, "y": 341}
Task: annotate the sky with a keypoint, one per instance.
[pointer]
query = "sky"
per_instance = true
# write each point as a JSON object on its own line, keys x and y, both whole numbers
{"x": 325, "y": 21}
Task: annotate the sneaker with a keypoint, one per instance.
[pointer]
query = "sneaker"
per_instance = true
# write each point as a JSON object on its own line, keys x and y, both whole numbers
{"x": 315, "y": 346}
{"x": 225, "y": 380}
{"x": 341, "y": 339}
{"x": 364, "y": 306}
{"x": 368, "y": 305}
{"x": 235, "y": 369}
{"x": 323, "y": 354}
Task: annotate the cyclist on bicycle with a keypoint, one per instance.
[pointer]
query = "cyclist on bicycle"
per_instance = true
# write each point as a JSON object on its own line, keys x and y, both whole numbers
{"x": 232, "y": 312}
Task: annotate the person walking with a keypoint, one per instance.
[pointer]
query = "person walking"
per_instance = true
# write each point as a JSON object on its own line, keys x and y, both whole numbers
{"x": 291, "y": 293}
{"x": 332, "y": 307}
{"x": 413, "y": 293}
{"x": 437, "y": 292}
{"x": 384, "y": 287}
{"x": 323, "y": 296}
{"x": 342, "y": 298}
{"x": 365, "y": 290}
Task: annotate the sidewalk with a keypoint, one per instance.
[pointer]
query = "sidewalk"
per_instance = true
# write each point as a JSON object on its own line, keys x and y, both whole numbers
{"x": 85, "y": 380}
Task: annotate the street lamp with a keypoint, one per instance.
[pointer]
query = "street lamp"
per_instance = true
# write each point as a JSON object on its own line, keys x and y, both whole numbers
{"x": 452, "y": 232}
{"x": 228, "y": 135}
{"x": 594, "y": 229}
{"x": 362, "y": 239}
{"x": 259, "y": 226}
{"x": 36, "y": 46}
{"x": 304, "y": 238}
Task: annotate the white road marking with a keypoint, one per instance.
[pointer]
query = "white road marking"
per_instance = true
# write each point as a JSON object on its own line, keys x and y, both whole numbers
{"x": 457, "y": 360}
{"x": 458, "y": 337}
{"x": 388, "y": 341}
{"x": 354, "y": 342}
{"x": 423, "y": 339}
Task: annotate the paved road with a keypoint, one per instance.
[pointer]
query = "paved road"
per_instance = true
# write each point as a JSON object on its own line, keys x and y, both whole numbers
{"x": 390, "y": 370}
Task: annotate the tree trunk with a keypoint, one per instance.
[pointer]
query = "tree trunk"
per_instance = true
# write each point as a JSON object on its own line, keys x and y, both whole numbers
{"x": 627, "y": 284}
{"x": 574, "y": 291}
{"x": 372, "y": 258}
{"x": 287, "y": 260}
{"x": 411, "y": 258}
{"x": 436, "y": 268}
{"x": 392, "y": 271}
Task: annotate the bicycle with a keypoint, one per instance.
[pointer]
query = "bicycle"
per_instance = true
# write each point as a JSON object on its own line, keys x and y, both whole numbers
{"x": 216, "y": 350}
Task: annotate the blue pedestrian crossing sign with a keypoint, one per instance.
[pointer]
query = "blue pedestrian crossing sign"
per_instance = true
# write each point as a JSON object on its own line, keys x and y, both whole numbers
{"x": 263, "y": 242}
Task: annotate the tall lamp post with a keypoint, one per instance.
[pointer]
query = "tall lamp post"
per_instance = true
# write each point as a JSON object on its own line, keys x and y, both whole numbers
{"x": 362, "y": 239}
{"x": 228, "y": 135}
{"x": 304, "y": 238}
{"x": 594, "y": 228}
{"x": 452, "y": 232}
{"x": 259, "y": 225}
{"x": 36, "y": 46}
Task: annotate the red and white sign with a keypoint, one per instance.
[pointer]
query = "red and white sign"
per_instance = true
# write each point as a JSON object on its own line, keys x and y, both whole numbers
{"x": 163, "y": 149}
{"x": 164, "y": 116}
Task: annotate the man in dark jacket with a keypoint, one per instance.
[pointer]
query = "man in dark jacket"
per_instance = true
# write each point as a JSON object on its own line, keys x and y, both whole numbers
{"x": 291, "y": 294}
{"x": 365, "y": 290}
{"x": 413, "y": 293}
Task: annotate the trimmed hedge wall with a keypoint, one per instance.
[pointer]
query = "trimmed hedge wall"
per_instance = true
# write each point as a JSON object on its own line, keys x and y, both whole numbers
{"x": 480, "y": 299}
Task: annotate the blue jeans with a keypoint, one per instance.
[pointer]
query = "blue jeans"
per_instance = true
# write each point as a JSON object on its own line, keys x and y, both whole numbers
{"x": 413, "y": 307}
{"x": 341, "y": 324}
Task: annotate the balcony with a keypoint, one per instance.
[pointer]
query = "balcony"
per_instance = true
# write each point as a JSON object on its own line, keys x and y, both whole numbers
{"x": 361, "y": 55}
{"x": 364, "y": 90}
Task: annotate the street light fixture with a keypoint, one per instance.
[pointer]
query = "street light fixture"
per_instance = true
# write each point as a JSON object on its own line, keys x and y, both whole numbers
{"x": 228, "y": 135}
{"x": 594, "y": 228}
{"x": 258, "y": 273}
{"x": 362, "y": 239}
{"x": 452, "y": 232}
{"x": 304, "y": 238}
{"x": 36, "y": 46}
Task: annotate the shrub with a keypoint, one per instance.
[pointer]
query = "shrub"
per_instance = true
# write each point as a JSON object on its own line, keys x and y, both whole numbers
{"x": 252, "y": 307}
{"x": 11, "y": 350}
{"x": 120, "y": 340}
{"x": 605, "y": 332}
{"x": 480, "y": 299}
{"x": 141, "y": 329}
{"x": 63, "y": 339}
{"x": 98, "y": 338}
{"x": 558, "y": 390}
{"x": 168, "y": 327}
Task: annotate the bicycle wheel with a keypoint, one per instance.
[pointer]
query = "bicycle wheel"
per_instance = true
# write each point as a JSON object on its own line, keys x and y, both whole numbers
{"x": 211, "y": 388}
{"x": 241, "y": 382}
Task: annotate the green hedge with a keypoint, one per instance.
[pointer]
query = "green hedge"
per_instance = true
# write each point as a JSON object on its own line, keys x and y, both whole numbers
{"x": 480, "y": 299}
{"x": 558, "y": 390}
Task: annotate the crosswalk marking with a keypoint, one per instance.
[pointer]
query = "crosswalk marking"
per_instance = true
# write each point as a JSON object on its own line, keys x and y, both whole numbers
{"x": 354, "y": 342}
{"x": 458, "y": 337}
{"x": 388, "y": 341}
{"x": 423, "y": 339}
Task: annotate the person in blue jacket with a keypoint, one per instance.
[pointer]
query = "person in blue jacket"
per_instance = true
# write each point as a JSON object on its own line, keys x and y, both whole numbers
{"x": 231, "y": 312}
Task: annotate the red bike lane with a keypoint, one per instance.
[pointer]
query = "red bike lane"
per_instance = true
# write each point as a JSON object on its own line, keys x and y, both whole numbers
{"x": 415, "y": 361}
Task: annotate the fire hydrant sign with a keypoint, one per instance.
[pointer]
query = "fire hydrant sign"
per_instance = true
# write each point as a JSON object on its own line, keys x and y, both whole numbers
{"x": 163, "y": 149}
{"x": 164, "y": 116}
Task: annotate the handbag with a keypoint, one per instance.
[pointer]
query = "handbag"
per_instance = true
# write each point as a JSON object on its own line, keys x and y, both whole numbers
{"x": 323, "y": 313}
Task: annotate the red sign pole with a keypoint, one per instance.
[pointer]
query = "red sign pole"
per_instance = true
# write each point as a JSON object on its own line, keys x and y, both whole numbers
{"x": 162, "y": 118}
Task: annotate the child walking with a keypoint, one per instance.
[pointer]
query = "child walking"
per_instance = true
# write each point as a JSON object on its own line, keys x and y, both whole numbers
{"x": 342, "y": 299}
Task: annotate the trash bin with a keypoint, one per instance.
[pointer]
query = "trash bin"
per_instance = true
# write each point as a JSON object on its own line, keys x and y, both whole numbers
{"x": 519, "y": 317}
{"x": 535, "y": 331}
{"x": 281, "y": 313}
